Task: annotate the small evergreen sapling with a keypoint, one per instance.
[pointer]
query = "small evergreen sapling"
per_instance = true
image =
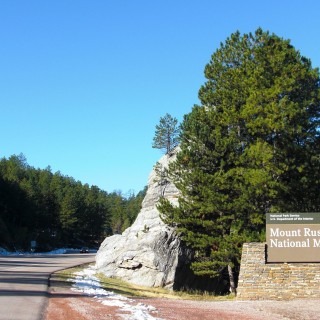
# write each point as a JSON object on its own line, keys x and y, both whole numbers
{"x": 167, "y": 134}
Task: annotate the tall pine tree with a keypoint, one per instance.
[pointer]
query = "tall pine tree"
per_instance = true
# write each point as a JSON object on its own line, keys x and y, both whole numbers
{"x": 251, "y": 147}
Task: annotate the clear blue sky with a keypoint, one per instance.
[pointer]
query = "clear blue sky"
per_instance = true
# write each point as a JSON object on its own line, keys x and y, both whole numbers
{"x": 84, "y": 83}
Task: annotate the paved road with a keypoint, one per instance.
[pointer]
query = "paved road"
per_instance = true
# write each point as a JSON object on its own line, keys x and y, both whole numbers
{"x": 24, "y": 282}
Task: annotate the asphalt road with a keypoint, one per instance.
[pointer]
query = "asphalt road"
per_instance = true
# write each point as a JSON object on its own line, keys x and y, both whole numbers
{"x": 24, "y": 282}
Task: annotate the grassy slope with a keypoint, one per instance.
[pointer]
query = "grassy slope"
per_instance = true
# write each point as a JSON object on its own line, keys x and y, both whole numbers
{"x": 131, "y": 290}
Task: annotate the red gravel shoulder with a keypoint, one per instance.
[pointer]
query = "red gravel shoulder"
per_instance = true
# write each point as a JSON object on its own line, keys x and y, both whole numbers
{"x": 66, "y": 304}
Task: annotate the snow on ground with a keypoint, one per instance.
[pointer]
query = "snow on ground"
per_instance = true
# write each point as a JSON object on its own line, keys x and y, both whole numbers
{"x": 4, "y": 252}
{"x": 87, "y": 283}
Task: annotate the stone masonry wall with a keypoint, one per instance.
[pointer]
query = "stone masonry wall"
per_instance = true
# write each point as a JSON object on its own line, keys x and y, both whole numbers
{"x": 259, "y": 280}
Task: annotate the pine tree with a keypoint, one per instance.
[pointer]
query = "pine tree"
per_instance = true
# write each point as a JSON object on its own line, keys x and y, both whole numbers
{"x": 167, "y": 134}
{"x": 252, "y": 147}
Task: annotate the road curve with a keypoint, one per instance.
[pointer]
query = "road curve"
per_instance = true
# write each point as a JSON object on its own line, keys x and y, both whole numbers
{"x": 24, "y": 282}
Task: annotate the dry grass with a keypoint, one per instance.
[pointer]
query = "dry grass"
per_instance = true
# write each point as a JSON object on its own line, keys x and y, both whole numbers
{"x": 131, "y": 290}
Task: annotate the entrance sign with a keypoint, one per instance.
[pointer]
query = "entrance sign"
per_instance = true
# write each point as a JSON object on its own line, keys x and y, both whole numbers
{"x": 293, "y": 237}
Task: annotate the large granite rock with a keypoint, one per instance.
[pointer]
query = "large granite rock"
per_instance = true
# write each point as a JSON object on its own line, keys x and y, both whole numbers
{"x": 149, "y": 252}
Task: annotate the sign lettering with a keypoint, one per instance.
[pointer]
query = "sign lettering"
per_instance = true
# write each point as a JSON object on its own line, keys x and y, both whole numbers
{"x": 293, "y": 237}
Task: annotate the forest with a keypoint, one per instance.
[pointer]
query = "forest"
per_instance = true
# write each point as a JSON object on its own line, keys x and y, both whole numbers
{"x": 55, "y": 210}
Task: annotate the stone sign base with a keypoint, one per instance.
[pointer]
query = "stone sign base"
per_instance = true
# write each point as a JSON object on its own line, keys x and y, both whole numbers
{"x": 259, "y": 280}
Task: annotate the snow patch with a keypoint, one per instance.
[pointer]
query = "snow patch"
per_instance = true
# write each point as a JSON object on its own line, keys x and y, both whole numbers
{"x": 56, "y": 251}
{"x": 86, "y": 282}
{"x": 3, "y": 252}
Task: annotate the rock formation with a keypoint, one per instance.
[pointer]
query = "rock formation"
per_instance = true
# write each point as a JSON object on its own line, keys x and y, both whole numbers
{"x": 149, "y": 252}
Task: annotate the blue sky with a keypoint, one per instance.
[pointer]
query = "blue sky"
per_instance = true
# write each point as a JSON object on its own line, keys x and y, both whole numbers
{"x": 84, "y": 83}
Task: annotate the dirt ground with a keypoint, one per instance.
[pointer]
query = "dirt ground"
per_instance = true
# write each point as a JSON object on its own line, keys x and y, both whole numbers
{"x": 66, "y": 304}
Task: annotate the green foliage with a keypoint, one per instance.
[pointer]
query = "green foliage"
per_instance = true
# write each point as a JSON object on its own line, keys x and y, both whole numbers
{"x": 124, "y": 209}
{"x": 167, "y": 134}
{"x": 56, "y": 210}
{"x": 252, "y": 147}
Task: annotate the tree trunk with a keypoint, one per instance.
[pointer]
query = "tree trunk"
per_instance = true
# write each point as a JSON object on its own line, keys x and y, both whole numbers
{"x": 233, "y": 288}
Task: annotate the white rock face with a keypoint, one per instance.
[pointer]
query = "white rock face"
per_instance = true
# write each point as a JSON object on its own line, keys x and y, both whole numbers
{"x": 148, "y": 252}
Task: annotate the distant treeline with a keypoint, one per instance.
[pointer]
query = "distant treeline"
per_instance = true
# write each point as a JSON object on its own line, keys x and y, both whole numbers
{"x": 55, "y": 210}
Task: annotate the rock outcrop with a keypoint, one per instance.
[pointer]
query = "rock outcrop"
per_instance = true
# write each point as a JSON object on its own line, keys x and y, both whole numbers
{"x": 149, "y": 252}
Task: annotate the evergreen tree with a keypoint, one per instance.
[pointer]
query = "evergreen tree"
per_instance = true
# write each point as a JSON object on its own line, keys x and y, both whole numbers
{"x": 167, "y": 134}
{"x": 252, "y": 147}
{"x": 50, "y": 208}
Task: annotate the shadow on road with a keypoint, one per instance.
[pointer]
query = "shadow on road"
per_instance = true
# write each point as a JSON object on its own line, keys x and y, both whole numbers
{"x": 34, "y": 293}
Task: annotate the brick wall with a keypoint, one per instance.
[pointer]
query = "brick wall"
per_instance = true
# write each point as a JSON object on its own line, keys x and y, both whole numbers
{"x": 259, "y": 280}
